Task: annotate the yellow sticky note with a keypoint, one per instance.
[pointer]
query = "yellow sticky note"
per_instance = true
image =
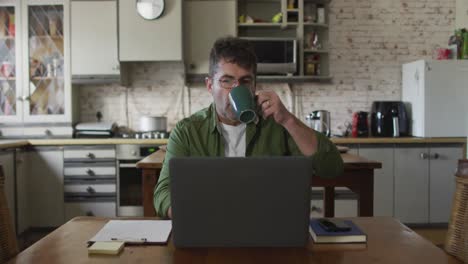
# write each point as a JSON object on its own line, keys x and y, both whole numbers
{"x": 110, "y": 247}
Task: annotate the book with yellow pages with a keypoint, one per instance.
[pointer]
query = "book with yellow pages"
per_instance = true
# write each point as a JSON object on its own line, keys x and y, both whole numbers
{"x": 108, "y": 247}
{"x": 331, "y": 232}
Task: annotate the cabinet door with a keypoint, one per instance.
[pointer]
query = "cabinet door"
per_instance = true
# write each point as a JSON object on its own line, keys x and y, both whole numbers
{"x": 412, "y": 184}
{"x": 150, "y": 40}
{"x": 7, "y": 161}
{"x": 383, "y": 178}
{"x": 94, "y": 38}
{"x": 200, "y": 30}
{"x": 10, "y": 63}
{"x": 23, "y": 169}
{"x": 443, "y": 163}
{"x": 45, "y": 184}
{"x": 46, "y": 71}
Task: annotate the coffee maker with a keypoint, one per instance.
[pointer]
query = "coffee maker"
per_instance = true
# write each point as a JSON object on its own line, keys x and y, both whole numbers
{"x": 389, "y": 119}
{"x": 320, "y": 121}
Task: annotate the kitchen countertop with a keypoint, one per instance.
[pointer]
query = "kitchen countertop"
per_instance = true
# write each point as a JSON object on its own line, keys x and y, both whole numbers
{"x": 11, "y": 143}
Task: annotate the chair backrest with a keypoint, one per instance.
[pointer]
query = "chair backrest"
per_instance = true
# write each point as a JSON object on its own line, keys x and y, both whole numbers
{"x": 456, "y": 242}
{"x": 8, "y": 243}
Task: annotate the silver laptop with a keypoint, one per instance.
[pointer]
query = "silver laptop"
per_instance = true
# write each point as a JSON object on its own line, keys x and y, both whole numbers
{"x": 240, "y": 202}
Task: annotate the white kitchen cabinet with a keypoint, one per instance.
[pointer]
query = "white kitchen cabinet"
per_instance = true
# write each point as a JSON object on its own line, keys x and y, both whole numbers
{"x": 204, "y": 22}
{"x": 38, "y": 91}
{"x": 383, "y": 178}
{"x": 443, "y": 160}
{"x": 411, "y": 183}
{"x": 45, "y": 187}
{"x": 7, "y": 161}
{"x": 150, "y": 40}
{"x": 23, "y": 169}
{"x": 94, "y": 38}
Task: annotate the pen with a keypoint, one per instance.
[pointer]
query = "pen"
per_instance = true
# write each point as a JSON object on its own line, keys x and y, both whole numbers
{"x": 129, "y": 240}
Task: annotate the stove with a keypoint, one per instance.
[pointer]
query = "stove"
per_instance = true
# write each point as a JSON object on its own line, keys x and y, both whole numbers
{"x": 145, "y": 135}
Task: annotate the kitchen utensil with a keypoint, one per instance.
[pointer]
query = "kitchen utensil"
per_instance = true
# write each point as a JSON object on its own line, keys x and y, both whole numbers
{"x": 389, "y": 119}
{"x": 320, "y": 121}
{"x": 360, "y": 127}
{"x": 153, "y": 123}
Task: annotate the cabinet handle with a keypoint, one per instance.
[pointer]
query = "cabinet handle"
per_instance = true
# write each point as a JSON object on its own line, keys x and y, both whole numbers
{"x": 90, "y": 190}
{"x": 91, "y": 156}
{"x": 424, "y": 155}
{"x": 90, "y": 172}
{"x": 48, "y": 132}
{"x": 89, "y": 213}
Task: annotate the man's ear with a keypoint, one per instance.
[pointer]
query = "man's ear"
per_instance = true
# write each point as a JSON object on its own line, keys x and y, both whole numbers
{"x": 209, "y": 84}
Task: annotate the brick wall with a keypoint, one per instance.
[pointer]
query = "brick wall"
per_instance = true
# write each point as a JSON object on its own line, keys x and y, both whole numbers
{"x": 369, "y": 40}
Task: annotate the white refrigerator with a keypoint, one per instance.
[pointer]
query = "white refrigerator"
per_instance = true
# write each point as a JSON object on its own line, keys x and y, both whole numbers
{"x": 436, "y": 97}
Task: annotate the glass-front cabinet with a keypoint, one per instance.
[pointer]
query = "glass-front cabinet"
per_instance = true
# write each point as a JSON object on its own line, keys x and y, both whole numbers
{"x": 35, "y": 81}
{"x": 10, "y": 109}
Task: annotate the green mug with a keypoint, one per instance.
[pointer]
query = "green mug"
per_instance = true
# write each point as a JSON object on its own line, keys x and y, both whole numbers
{"x": 243, "y": 102}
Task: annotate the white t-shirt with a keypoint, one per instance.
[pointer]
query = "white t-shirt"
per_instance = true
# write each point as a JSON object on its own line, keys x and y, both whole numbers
{"x": 234, "y": 140}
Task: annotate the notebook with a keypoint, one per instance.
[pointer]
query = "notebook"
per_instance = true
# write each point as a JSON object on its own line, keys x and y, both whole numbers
{"x": 320, "y": 235}
{"x": 108, "y": 248}
{"x": 240, "y": 202}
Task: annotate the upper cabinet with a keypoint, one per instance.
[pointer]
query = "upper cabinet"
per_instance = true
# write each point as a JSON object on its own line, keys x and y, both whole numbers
{"x": 158, "y": 39}
{"x": 94, "y": 39}
{"x": 10, "y": 63}
{"x": 35, "y": 67}
{"x": 200, "y": 32}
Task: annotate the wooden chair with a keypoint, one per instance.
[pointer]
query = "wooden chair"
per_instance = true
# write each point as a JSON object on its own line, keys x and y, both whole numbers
{"x": 8, "y": 243}
{"x": 456, "y": 242}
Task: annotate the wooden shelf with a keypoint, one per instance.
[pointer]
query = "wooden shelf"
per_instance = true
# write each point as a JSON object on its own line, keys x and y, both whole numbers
{"x": 7, "y": 37}
{"x": 312, "y": 24}
{"x": 46, "y": 78}
{"x": 200, "y": 78}
{"x": 7, "y": 78}
{"x": 266, "y": 24}
{"x": 293, "y": 10}
{"x": 315, "y": 51}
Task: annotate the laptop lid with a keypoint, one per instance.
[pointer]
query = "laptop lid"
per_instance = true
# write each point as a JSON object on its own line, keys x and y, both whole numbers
{"x": 240, "y": 202}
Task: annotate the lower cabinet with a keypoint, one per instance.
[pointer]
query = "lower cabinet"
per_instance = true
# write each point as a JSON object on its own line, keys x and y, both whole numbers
{"x": 45, "y": 185}
{"x": 425, "y": 182}
{"x": 383, "y": 178}
{"x": 443, "y": 162}
{"x": 90, "y": 181}
{"x": 7, "y": 161}
{"x": 89, "y": 208}
{"x": 39, "y": 187}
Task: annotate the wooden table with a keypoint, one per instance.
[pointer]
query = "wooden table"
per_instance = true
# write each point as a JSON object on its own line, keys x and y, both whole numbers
{"x": 388, "y": 242}
{"x": 358, "y": 176}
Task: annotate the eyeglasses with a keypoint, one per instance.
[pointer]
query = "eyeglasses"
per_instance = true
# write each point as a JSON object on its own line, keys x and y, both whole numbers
{"x": 229, "y": 83}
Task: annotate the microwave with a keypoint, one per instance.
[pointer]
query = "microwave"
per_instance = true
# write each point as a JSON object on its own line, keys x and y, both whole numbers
{"x": 275, "y": 55}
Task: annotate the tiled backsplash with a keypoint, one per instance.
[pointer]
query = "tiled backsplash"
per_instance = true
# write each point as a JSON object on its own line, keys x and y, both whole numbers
{"x": 369, "y": 41}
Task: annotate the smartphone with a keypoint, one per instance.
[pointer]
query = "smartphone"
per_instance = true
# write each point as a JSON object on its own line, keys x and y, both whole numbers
{"x": 334, "y": 225}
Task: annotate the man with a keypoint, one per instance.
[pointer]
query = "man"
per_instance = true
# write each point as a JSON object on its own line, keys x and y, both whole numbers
{"x": 215, "y": 131}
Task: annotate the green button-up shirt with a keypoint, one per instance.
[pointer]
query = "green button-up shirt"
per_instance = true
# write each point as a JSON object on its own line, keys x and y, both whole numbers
{"x": 199, "y": 135}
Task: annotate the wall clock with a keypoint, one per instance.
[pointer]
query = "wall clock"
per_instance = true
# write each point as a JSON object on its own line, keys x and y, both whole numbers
{"x": 150, "y": 9}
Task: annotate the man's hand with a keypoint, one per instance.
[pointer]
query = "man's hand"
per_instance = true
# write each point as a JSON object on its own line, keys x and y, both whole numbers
{"x": 271, "y": 105}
